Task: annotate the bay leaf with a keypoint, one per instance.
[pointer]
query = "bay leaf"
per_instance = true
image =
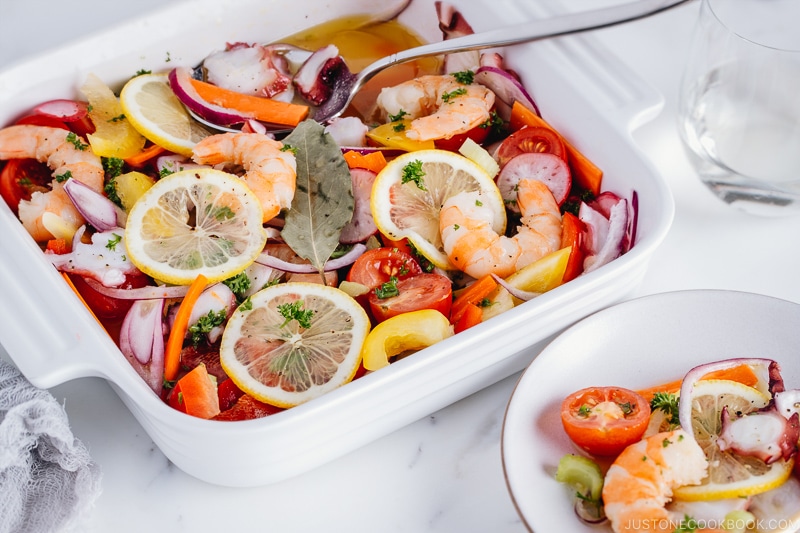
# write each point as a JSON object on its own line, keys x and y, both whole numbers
{"x": 323, "y": 200}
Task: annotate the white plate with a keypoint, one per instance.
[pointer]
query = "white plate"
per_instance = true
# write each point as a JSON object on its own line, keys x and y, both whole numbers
{"x": 581, "y": 88}
{"x": 639, "y": 343}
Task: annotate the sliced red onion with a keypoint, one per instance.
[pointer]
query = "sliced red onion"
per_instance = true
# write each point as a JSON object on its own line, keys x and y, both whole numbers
{"x": 181, "y": 84}
{"x": 605, "y": 248}
{"x": 589, "y": 512}
{"x": 514, "y": 291}
{"x": 307, "y": 268}
{"x": 64, "y": 110}
{"x": 149, "y": 292}
{"x": 633, "y": 222}
{"x": 141, "y": 341}
{"x": 694, "y": 375}
{"x": 175, "y": 162}
{"x": 97, "y": 209}
{"x": 505, "y": 86}
{"x": 361, "y": 225}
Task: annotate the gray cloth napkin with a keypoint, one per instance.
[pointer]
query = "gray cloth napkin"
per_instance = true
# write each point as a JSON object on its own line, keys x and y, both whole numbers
{"x": 48, "y": 481}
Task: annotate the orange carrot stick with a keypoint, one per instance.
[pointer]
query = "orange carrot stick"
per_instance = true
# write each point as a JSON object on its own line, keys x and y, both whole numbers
{"x": 472, "y": 295}
{"x": 741, "y": 373}
{"x": 373, "y": 161}
{"x": 586, "y": 173}
{"x": 199, "y": 393}
{"x": 264, "y": 109}
{"x": 147, "y": 153}
{"x": 172, "y": 351}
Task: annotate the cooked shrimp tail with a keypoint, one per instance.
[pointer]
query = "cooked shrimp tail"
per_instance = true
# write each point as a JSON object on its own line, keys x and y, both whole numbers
{"x": 269, "y": 171}
{"x": 475, "y": 248}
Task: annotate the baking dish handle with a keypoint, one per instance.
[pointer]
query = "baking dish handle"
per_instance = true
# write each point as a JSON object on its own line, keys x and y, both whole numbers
{"x": 51, "y": 343}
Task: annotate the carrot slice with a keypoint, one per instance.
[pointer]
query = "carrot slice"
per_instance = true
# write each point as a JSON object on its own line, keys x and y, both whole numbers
{"x": 472, "y": 295}
{"x": 585, "y": 173}
{"x": 198, "y": 393}
{"x": 147, "y": 153}
{"x": 172, "y": 351}
{"x": 471, "y": 315}
{"x": 742, "y": 373}
{"x": 263, "y": 109}
{"x": 373, "y": 161}
{"x": 57, "y": 246}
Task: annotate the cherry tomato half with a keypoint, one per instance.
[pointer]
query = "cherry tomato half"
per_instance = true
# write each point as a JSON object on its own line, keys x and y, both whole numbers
{"x": 423, "y": 291}
{"x": 20, "y": 178}
{"x": 377, "y": 266}
{"x": 605, "y": 420}
{"x": 530, "y": 139}
{"x": 104, "y": 306}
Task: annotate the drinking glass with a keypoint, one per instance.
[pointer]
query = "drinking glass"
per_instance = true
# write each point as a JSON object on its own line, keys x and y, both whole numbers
{"x": 739, "y": 106}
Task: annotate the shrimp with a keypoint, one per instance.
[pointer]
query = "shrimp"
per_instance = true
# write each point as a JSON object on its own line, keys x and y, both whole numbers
{"x": 269, "y": 172}
{"x": 51, "y": 214}
{"x": 439, "y": 106}
{"x": 640, "y": 482}
{"x": 475, "y": 248}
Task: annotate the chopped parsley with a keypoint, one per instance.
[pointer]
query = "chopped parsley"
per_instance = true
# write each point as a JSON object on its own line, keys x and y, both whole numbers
{"x": 295, "y": 311}
{"x": 113, "y": 167}
{"x": 206, "y": 323}
{"x": 584, "y": 411}
{"x": 668, "y": 403}
{"x": 61, "y": 178}
{"x": 399, "y": 116}
{"x": 388, "y": 289}
{"x": 238, "y": 284}
{"x": 246, "y": 305}
{"x": 289, "y": 148}
{"x": 399, "y": 127}
{"x": 413, "y": 172}
{"x": 465, "y": 76}
{"x": 142, "y": 72}
{"x": 76, "y": 141}
{"x": 118, "y": 118}
{"x": 448, "y": 97}
{"x": 113, "y": 241}
{"x": 222, "y": 213}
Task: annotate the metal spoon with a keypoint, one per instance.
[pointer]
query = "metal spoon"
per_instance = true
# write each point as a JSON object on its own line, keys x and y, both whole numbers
{"x": 346, "y": 87}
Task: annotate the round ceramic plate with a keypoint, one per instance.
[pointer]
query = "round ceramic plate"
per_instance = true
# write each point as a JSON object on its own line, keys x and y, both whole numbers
{"x": 639, "y": 343}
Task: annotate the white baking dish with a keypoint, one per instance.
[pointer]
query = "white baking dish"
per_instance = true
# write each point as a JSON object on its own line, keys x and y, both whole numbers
{"x": 581, "y": 90}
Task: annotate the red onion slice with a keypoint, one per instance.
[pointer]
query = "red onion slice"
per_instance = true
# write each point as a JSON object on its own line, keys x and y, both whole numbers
{"x": 505, "y": 86}
{"x": 307, "y": 268}
{"x": 606, "y": 244}
{"x": 98, "y": 210}
{"x": 514, "y": 291}
{"x": 181, "y": 84}
{"x": 141, "y": 341}
{"x": 142, "y": 293}
{"x": 694, "y": 375}
{"x": 64, "y": 110}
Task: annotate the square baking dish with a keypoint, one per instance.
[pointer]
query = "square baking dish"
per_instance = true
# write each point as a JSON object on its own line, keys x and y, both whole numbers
{"x": 580, "y": 88}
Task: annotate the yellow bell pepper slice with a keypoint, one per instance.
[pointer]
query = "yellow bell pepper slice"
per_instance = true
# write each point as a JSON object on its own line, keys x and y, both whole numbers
{"x": 407, "y": 332}
{"x": 393, "y": 135}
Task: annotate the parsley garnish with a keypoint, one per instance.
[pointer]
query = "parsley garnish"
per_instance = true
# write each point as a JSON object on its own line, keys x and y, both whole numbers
{"x": 669, "y": 404}
{"x": 413, "y": 172}
{"x": 584, "y": 411}
{"x": 61, "y": 178}
{"x": 206, "y": 323}
{"x": 142, "y": 72}
{"x": 289, "y": 148}
{"x": 423, "y": 261}
{"x": 118, "y": 118}
{"x": 399, "y": 127}
{"x": 627, "y": 408}
{"x": 465, "y": 76}
{"x": 246, "y": 305}
{"x": 222, "y": 213}
{"x": 388, "y": 289}
{"x": 112, "y": 166}
{"x": 399, "y": 116}
{"x": 238, "y": 284}
{"x": 447, "y": 97}
{"x": 113, "y": 241}
{"x": 76, "y": 141}
{"x": 295, "y": 311}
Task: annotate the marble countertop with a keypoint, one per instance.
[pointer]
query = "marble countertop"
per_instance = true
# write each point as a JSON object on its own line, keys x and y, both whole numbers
{"x": 444, "y": 472}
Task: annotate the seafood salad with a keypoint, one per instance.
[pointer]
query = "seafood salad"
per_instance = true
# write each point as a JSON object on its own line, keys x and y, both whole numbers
{"x": 714, "y": 451}
{"x": 248, "y": 253}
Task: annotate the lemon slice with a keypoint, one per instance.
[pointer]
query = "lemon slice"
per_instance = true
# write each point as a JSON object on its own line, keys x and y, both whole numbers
{"x": 294, "y": 342}
{"x": 729, "y": 475}
{"x": 199, "y": 221}
{"x": 408, "y": 194}
{"x": 154, "y": 110}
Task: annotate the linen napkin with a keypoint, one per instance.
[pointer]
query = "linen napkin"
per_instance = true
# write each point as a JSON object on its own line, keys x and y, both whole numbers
{"x": 48, "y": 481}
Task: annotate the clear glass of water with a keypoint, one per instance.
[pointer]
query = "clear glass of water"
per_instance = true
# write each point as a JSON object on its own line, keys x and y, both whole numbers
{"x": 739, "y": 108}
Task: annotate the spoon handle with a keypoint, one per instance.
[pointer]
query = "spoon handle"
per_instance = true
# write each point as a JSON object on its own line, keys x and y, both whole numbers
{"x": 526, "y": 32}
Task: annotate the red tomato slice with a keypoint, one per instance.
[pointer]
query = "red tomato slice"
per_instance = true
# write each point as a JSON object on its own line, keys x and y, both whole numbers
{"x": 375, "y": 267}
{"x": 477, "y": 134}
{"x": 572, "y": 230}
{"x": 605, "y": 420}
{"x": 530, "y": 139}
{"x": 20, "y": 178}
{"x": 423, "y": 291}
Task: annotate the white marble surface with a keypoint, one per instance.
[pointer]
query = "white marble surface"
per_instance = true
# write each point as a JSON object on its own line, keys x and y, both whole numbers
{"x": 442, "y": 473}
